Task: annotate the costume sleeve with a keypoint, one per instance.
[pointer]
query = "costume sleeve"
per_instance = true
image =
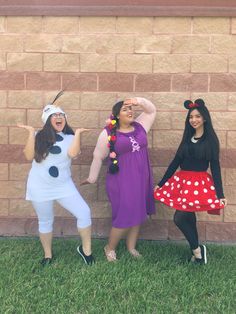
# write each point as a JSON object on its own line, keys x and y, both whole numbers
{"x": 147, "y": 117}
{"x": 100, "y": 153}
{"x": 170, "y": 170}
{"x": 216, "y": 175}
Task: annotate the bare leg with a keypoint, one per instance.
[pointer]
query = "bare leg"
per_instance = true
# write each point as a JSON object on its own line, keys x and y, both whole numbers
{"x": 46, "y": 241}
{"x": 85, "y": 235}
{"x": 131, "y": 240}
{"x": 115, "y": 235}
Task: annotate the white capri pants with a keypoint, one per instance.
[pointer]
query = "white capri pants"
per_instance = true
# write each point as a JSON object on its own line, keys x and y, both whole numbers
{"x": 75, "y": 204}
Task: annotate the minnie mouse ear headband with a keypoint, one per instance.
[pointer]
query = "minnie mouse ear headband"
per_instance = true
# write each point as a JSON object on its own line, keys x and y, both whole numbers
{"x": 198, "y": 103}
{"x": 49, "y": 109}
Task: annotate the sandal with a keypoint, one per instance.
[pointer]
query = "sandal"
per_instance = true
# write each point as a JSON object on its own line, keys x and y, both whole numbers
{"x": 135, "y": 253}
{"x": 110, "y": 254}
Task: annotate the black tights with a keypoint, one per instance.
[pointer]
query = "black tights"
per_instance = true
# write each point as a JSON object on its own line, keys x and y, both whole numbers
{"x": 187, "y": 223}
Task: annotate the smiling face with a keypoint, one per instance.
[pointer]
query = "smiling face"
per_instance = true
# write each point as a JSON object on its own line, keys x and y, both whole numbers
{"x": 58, "y": 121}
{"x": 126, "y": 115}
{"x": 196, "y": 120}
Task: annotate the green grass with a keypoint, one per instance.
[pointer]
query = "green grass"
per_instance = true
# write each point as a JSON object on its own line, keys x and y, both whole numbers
{"x": 160, "y": 282}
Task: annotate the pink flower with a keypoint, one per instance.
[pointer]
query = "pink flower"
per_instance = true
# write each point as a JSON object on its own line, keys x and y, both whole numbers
{"x": 112, "y": 155}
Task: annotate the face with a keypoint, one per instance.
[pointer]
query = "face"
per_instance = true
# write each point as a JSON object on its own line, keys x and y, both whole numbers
{"x": 58, "y": 121}
{"x": 126, "y": 115}
{"x": 196, "y": 120}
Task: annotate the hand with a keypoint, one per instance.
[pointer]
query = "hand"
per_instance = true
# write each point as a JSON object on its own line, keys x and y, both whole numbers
{"x": 156, "y": 188}
{"x": 131, "y": 102}
{"x": 81, "y": 130}
{"x": 27, "y": 127}
{"x": 223, "y": 201}
{"x": 85, "y": 182}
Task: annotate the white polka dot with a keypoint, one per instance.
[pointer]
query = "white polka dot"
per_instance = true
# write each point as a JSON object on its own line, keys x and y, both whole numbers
{"x": 213, "y": 205}
{"x": 203, "y": 182}
{"x": 198, "y": 207}
{"x": 209, "y": 200}
{"x": 195, "y": 193}
{"x": 172, "y": 188}
{"x": 171, "y": 204}
{"x": 205, "y": 190}
{"x": 196, "y": 183}
{"x": 179, "y": 199}
{"x": 191, "y": 204}
{"x": 212, "y": 188}
{"x": 208, "y": 179}
{"x": 181, "y": 192}
{"x": 184, "y": 181}
{"x": 172, "y": 183}
{"x": 217, "y": 201}
{"x": 184, "y": 200}
{"x": 158, "y": 194}
{"x": 177, "y": 178}
{"x": 178, "y": 186}
{"x": 164, "y": 192}
{"x": 184, "y": 206}
{"x": 162, "y": 199}
{"x": 168, "y": 194}
{"x": 186, "y": 192}
{"x": 167, "y": 183}
{"x": 196, "y": 202}
{"x": 188, "y": 183}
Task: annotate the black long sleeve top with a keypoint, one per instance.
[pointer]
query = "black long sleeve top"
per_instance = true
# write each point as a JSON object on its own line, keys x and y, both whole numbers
{"x": 191, "y": 163}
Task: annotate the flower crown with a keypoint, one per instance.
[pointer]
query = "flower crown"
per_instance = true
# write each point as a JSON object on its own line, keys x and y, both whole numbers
{"x": 198, "y": 103}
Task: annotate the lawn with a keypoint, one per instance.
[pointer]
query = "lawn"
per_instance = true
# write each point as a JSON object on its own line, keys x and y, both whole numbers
{"x": 160, "y": 282}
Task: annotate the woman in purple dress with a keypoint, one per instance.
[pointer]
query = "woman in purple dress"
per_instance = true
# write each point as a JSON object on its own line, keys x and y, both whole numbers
{"x": 129, "y": 181}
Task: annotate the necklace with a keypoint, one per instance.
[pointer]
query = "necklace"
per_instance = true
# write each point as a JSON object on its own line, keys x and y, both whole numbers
{"x": 195, "y": 139}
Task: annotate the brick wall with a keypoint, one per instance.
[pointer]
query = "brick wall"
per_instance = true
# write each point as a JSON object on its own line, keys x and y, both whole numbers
{"x": 100, "y": 60}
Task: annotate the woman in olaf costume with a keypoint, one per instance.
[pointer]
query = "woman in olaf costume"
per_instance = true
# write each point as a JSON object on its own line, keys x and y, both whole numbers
{"x": 193, "y": 189}
{"x": 51, "y": 149}
{"x": 129, "y": 178}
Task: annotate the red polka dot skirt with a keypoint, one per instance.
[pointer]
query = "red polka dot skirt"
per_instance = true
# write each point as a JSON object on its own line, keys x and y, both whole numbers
{"x": 190, "y": 191}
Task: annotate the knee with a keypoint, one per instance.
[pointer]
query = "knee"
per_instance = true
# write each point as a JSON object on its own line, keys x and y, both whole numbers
{"x": 84, "y": 218}
{"x": 45, "y": 226}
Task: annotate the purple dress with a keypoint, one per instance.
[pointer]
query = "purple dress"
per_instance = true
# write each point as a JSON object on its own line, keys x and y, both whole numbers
{"x": 130, "y": 190}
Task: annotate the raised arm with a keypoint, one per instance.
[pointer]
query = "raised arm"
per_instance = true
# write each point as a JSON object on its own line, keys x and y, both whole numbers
{"x": 147, "y": 117}
{"x": 74, "y": 149}
{"x": 29, "y": 147}
{"x": 101, "y": 151}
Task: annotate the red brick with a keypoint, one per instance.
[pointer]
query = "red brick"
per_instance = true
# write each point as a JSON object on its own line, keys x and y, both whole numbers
{"x": 4, "y": 206}
{"x": 11, "y": 153}
{"x": 79, "y": 82}
{"x": 190, "y": 82}
{"x": 43, "y": 81}
{"x": 112, "y": 82}
{"x": 223, "y": 82}
{"x": 11, "y": 81}
{"x": 221, "y": 232}
{"x": 12, "y": 226}
{"x": 176, "y": 234}
{"x": 153, "y": 83}
{"x": 154, "y": 230}
{"x": 12, "y": 189}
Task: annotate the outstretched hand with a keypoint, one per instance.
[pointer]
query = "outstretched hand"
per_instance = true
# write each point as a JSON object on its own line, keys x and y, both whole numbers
{"x": 156, "y": 188}
{"x": 81, "y": 130}
{"x": 27, "y": 127}
{"x": 223, "y": 201}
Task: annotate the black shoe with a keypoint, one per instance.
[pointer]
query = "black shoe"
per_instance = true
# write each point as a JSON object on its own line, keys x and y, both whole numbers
{"x": 203, "y": 260}
{"x": 88, "y": 259}
{"x": 46, "y": 261}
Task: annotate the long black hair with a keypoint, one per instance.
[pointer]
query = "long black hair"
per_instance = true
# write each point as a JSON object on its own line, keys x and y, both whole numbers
{"x": 209, "y": 146}
{"x": 114, "y": 167}
{"x": 45, "y": 139}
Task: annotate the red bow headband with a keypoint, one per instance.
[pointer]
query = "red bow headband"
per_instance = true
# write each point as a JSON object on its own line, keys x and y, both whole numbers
{"x": 188, "y": 104}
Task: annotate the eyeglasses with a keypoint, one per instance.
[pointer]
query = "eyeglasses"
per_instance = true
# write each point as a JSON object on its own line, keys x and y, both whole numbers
{"x": 58, "y": 115}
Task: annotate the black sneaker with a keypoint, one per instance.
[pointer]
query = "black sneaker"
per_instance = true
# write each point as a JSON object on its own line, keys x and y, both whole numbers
{"x": 88, "y": 259}
{"x": 46, "y": 261}
{"x": 203, "y": 260}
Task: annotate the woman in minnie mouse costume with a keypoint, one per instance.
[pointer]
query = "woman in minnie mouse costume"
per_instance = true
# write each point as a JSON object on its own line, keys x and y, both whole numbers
{"x": 51, "y": 149}
{"x": 129, "y": 180}
{"x": 192, "y": 189}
